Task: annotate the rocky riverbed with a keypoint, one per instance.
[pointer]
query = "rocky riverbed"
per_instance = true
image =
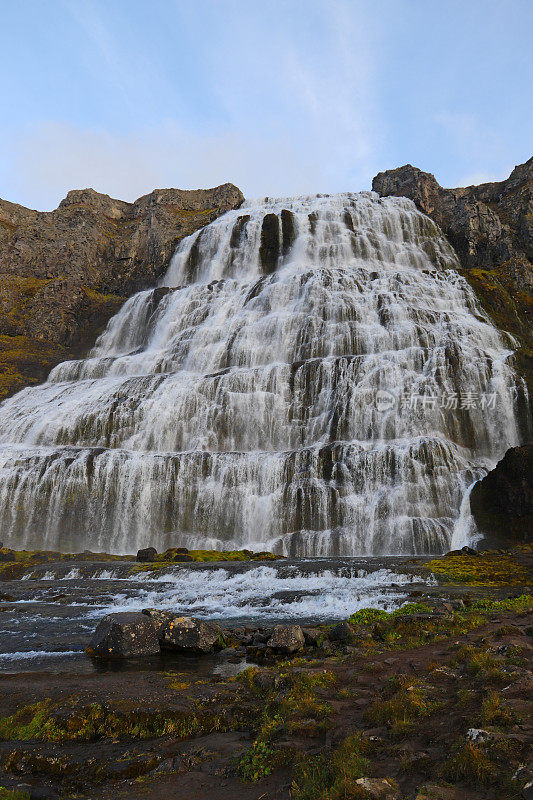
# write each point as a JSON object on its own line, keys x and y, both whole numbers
{"x": 413, "y": 690}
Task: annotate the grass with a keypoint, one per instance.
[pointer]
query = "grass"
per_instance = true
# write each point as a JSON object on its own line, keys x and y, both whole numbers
{"x": 297, "y": 711}
{"x": 409, "y": 702}
{"x": 496, "y": 712}
{"x": 50, "y": 721}
{"x": 9, "y": 794}
{"x": 333, "y": 778}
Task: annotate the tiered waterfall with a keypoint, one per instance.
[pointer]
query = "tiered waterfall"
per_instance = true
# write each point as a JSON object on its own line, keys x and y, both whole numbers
{"x": 237, "y": 404}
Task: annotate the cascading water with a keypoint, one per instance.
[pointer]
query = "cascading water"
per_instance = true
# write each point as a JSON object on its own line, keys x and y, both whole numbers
{"x": 262, "y": 396}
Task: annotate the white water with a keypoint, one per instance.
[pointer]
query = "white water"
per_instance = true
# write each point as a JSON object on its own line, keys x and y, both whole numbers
{"x": 239, "y": 409}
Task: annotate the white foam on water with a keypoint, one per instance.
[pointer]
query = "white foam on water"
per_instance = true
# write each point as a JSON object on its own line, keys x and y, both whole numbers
{"x": 34, "y": 654}
{"x": 264, "y": 592}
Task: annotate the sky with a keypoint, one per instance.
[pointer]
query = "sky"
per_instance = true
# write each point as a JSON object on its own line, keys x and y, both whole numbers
{"x": 280, "y": 97}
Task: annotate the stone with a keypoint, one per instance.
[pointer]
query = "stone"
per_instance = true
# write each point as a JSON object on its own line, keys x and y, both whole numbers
{"x": 7, "y": 555}
{"x": 124, "y": 635}
{"x": 147, "y": 554}
{"x": 527, "y": 791}
{"x": 190, "y": 635}
{"x": 379, "y": 788}
{"x": 286, "y": 638}
{"x": 160, "y": 619}
{"x": 43, "y": 793}
{"x": 342, "y": 632}
{"x": 502, "y": 501}
{"x": 312, "y": 636}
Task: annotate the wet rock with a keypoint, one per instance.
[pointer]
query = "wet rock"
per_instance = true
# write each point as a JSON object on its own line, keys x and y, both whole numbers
{"x": 312, "y": 636}
{"x": 159, "y": 619}
{"x": 190, "y": 635}
{"x": 270, "y": 243}
{"x": 379, "y": 788}
{"x": 146, "y": 554}
{"x": 43, "y": 793}
{"x": 342, "y": 632}
{"x": 502, "y": 501}
{"x": 527, "y": 791}
{"x": 124, "y": 635}
{"x": 286, "y": 639}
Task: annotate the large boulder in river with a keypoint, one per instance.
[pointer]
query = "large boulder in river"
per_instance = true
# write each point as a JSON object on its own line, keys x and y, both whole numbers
{"x": 124, "y": 635}
{"x": 160, "y": 619}
{"x": 190, "y": 635}
{"x": 502, "y": 501}
{"x": 146, "y": 555}
{"x": 286, "y": 638}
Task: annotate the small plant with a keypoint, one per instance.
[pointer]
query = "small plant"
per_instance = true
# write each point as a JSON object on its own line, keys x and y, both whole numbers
{"x": 406, "y": 705}
{"x": 494, "y": 712}
{"x": 333, "y": 779}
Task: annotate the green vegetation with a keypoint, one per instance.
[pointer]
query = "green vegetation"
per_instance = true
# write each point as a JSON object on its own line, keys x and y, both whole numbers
{"x": 483, "y": 570}
{"x": 53, "y": 722}
{"x": 409, "y": 702}
{"x": 298, "y": 711}
{"x": 333, "y": 778}
{"x": 8, "y": 794}
{"x": 175, "y": 555}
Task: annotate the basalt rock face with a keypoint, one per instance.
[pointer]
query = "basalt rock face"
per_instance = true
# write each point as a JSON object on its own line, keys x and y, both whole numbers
{"x": 502, "y": 502}
{"x": 64, "y": 273}
{"x": 491, "y": 229}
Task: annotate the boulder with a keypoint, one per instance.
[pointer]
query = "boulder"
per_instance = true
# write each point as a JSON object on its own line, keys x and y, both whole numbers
{"x": 124, "y": 635}
{"x": 502, "y": 501}
{"x": 147, "y": 554}
{"x": 190, "y": 635}
{"x": 160, "y": 619}
{"x": 379, "y": 788}
{"x": 342, "y": 632}
{"x": 312, "y": 636}
{"x": 286, "y": 638}
{"x": 7, "y": 555}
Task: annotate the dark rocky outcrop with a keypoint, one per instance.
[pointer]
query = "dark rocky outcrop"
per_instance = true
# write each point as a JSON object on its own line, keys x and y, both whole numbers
{"x": 124, "y": 635}
{"x": 147, "y": 555}
{"x": 64, "y": 273}
{"x": 190, "y": 635}
{"x": 491, "y": 229}
{"x": 502, "y": 501}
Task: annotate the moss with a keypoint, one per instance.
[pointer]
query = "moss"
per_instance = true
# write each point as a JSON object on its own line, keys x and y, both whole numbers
{"x": 483, "y": 570}
{"x": 168, "y": 558}
{"x": 54, "y": 722}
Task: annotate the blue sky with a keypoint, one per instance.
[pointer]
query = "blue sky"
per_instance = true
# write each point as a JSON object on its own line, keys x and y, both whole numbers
{"x": 278, "y": 96}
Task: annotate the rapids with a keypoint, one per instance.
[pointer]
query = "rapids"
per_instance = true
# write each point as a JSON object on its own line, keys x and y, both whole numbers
{"x": 312, "y": 376}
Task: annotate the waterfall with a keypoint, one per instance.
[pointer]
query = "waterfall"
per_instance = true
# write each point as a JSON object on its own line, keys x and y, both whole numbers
{"x": 291, "y": 385}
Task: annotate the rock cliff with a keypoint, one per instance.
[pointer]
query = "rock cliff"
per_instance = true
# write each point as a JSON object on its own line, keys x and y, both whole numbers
{"x": 502, "y": 502}
{"x": 64, "y": 273}
{"x": 491, "y": 229}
